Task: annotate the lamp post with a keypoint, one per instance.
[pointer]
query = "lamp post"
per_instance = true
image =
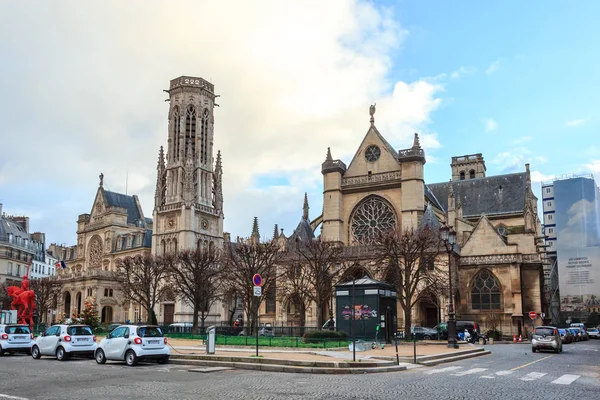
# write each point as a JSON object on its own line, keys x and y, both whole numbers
{"x": 449, "y": 238}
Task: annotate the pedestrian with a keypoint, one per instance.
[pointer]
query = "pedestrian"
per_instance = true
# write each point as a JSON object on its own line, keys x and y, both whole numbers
{"x": 330, "y": 324}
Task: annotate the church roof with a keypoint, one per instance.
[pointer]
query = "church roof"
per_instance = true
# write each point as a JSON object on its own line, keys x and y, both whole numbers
{"x": 303, "y": 231}
{"x": 124, "y": 201}
{"x": 500, "y": 194}
{"x": 429, "y": 219}
{"x": 431, "y": 198}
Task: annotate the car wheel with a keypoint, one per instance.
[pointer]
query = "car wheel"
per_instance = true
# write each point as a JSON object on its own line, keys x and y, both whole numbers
{"x": 557, "y": 350}
{"x": 130, "y": 358}
{"x": 163, "y": 360}
{"x": 100, "y": 357}
{"x": 35, "y": 353}
{"x": 61, "y": 354}
{"x": 533, "y": 349}
{"x": 426, "y": 337}
{"x": 10, "y": 353}
{"x": 1, "y": 351}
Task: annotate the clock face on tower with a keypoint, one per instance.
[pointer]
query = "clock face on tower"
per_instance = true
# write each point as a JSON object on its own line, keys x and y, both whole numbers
{"x": 171, "y": 223}
{"x": 204, "y": 224}
{"x": 372, "y": 153}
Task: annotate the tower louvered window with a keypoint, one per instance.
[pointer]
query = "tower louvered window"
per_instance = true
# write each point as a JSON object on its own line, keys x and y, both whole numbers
{"x": 190, "y": 130}
{"x": 204, "y": 138}
{"x": 176, "y": 132}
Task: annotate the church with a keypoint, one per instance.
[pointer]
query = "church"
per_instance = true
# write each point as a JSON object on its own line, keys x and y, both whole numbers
{"x": 498, "y": 261}
{"x": 495, "y": 217}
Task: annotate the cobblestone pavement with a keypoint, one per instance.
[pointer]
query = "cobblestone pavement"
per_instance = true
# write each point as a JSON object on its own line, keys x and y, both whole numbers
{"x": 512, "y": 371}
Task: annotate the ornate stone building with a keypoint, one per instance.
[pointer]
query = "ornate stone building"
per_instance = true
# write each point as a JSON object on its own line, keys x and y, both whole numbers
{"x": 114, "y": 229}
{"x": 188, "y": 202}
{"x": 499, "y": 269}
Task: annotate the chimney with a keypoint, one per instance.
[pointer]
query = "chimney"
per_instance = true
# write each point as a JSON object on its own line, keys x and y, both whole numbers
{"x": 0, "y": 209}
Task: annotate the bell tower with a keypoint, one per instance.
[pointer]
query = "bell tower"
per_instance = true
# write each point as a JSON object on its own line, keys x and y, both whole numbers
{"x": 188, "y": 201}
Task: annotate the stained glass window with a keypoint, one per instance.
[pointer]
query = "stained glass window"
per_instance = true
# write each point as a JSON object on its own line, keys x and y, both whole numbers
{"x": 373, "y": 216}
{"x": 485, "y": 293}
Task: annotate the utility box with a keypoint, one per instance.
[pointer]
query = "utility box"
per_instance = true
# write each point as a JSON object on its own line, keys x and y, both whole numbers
{"x": 362, "y": 305}
{"x": 210, "y": 339}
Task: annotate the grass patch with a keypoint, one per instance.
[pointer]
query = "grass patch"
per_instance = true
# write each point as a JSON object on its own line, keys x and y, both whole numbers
{"x": 267, "y": 341}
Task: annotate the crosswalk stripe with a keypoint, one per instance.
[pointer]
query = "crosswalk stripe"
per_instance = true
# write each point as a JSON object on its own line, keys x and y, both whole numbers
{"x": 487, "y": 377}
{"x": 439, "y": 370}
{"x": 533, "y": 376}
{"x": 501, "y": 373}
{"x": 566, "y": 379}
{"x": 471, "y": 371}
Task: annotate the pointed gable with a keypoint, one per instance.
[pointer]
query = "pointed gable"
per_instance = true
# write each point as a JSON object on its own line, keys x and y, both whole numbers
{"x": 485, "y": 240}
{"x": 99, "y": 205}
{"x": 387, "y": 161}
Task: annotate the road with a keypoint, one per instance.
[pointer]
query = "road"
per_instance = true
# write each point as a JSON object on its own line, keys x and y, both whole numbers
{"x": 510, "y": 372}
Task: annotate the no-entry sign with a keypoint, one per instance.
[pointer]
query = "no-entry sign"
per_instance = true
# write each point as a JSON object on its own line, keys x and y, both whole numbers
{"x": 532, "y": 314}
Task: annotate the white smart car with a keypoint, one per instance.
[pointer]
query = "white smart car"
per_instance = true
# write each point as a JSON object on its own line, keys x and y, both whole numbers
{"x": 65, "y": 341}
{"x": 15, "y": 338}
{"x": 133, "y": 343}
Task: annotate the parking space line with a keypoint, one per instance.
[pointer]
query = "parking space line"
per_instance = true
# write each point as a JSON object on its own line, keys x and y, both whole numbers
{"x": 471, "y": 371}
{"x": 566, "y": 379}
{"x": 439, "y": 370}
{"x": 532, "y": 376}
{"x": 7, "y": 396}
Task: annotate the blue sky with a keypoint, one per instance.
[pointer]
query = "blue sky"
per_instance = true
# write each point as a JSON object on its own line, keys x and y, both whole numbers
{"x": 512, "y": 80}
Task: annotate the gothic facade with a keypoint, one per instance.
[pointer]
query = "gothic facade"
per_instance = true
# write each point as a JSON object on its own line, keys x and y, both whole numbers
{"x": 497, "y": 265}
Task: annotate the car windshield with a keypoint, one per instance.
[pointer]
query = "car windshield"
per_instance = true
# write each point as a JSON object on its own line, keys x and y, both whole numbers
{"x": 544, "y": 331}
{"x": 593, "y": 330}
{"x": 562, "y": 331}
{"x": 17, "y": 329}
{"x": 79, "y": 331}
{"x": 150, "y": 331}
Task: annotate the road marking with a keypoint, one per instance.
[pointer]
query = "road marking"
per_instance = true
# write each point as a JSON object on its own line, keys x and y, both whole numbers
{"x": 487, "y": 377}
{"x": 471, "y": 371}
{"x": 6, "y": 396}
{"x": 533, "y": 362}
{"x": 566, "y": 379}
{"x": 502, "y": 373}
{"x": 532, "y": 376}
{"x": 437, "y": 371}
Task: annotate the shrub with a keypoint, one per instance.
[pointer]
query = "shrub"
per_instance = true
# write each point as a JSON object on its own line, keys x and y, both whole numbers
{"x": 319, "y": 336}
{"x": 494, "y": 334}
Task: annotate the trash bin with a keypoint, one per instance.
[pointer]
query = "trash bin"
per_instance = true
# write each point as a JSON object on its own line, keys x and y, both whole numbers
{"x": 210, "y": 339}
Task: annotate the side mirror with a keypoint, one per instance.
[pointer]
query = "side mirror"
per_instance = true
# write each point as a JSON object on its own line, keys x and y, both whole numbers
{"x": 43, "y": 334}
{"x": 126, "y": 336}
{"x": 108, "y": 336}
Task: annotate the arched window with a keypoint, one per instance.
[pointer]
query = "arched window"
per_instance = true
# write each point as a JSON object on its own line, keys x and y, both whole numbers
{"x": 176, "y": 132}
{"x": 462, "y": 175}
{"x": 355, "y": 272}
{"x": 485, "y": 292}
{"x": 164, "y": 247}
{"x": 190, "y": 130}
{"x": 371, "y": 217}
{"x": 472, "y": 174}
{"x": 107, "y": 315}
{"x": 204, "y": 137}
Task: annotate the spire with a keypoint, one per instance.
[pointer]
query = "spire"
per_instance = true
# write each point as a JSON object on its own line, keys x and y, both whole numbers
{"x": 218, "y": 184}
{"x": 255, "y": 235}
{"x": 161, "y": 159}
{"x": 528, "y": 175}
{"x": 161, "y": 182}
{"x": 450, "y": 189}
{"x": 372, "y": 113}
{"x": 305, "y": 207}
{"x": 101, "y": 176}
{"x": 328, "y": 157}
{"x": 276, "y": 232}
{"x": 416, "y": 144}
{"x": 218, "y": 166}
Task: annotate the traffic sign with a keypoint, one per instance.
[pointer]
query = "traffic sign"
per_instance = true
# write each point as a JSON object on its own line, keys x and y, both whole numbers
{"x": 257, "y": 291}
{"x": 257, "y": 280}
{"x": 532, "y": 314}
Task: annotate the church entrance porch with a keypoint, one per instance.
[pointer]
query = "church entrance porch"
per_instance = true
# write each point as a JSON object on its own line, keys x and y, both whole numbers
{"x": 428, "y": 311}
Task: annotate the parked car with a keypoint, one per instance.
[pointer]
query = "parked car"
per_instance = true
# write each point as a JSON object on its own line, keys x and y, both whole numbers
{"x": 593, "y": 333}
{"x": 423, "y": 333}
{"x": 573, "y": 332}
{"x": 546, "y": 337}
{"x": 64, "y": 341}
{"x": 133, "y": 343}
{"x": 15, "y": 338}
{"x": 266, "y": 331}
{"x": 471, "y": 326}
{"x": 565, "y": 336}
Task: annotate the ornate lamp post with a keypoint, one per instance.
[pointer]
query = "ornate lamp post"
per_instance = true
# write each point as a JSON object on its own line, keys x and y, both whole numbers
{"x": 449, "y": 238}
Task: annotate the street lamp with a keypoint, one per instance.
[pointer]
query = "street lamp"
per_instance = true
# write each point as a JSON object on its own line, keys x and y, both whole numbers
{"x": 449, "y": 238}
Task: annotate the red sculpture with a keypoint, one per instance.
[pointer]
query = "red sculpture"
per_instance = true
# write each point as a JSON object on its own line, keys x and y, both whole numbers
{"x": 23, "y": 301}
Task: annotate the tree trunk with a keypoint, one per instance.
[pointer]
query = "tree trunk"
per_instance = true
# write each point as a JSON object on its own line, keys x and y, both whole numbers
{"x": 195, "y": 320}
{"x": 407, "y": 322}
{"x": 320, "y": 313}
{"x": 203, "y": 316}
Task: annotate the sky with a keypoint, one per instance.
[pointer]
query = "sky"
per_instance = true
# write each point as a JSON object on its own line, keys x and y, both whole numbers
{"x": 81, "y": 92}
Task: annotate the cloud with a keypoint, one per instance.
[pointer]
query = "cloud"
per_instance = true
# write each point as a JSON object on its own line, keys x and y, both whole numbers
{"x": 490, "y": 124}
{"x": 521, "y": 140}
{"x": 577, "y": 122}
{"x": 493, "y": 67}
{"x": 580, "y": 229}
{"x": 462, "y": 71}
{"x": 515, "y": 160}
{"x": 593, "y": 167}
{"x": 292, "y": 82}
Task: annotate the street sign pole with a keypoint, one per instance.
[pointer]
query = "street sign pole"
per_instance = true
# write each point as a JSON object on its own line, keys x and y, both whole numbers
{"x": 257, "y": 281}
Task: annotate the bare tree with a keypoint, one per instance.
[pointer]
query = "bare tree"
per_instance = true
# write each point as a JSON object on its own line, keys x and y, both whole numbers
{"x": 144, "y": 279}
{"x": 295, "y": 286}
{"x": 320, "y": 261}
{"x": 244, "y": 260}
{"x": 198, "y": 276}
{"x": 46, "y": 293}
{"x": 409, "y": 258}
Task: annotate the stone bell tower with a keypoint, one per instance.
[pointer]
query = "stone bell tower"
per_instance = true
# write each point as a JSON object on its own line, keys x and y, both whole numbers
{"x": 188, "y": 202}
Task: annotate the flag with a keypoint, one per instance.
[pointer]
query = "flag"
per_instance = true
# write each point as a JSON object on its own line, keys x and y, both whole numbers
{"x": 63, "y": 265}
{"x": 57, "y": 265}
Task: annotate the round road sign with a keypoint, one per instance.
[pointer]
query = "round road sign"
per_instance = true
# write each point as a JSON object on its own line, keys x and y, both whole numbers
{"x": 532, "y": 314}
{"x": 257, "y": 280}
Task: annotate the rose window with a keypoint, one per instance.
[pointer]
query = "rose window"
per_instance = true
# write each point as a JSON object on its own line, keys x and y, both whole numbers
{"x": 372, "y": 217}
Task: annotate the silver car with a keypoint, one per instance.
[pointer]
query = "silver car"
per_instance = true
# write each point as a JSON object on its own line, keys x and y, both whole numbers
{"x": 546, "y": 337}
